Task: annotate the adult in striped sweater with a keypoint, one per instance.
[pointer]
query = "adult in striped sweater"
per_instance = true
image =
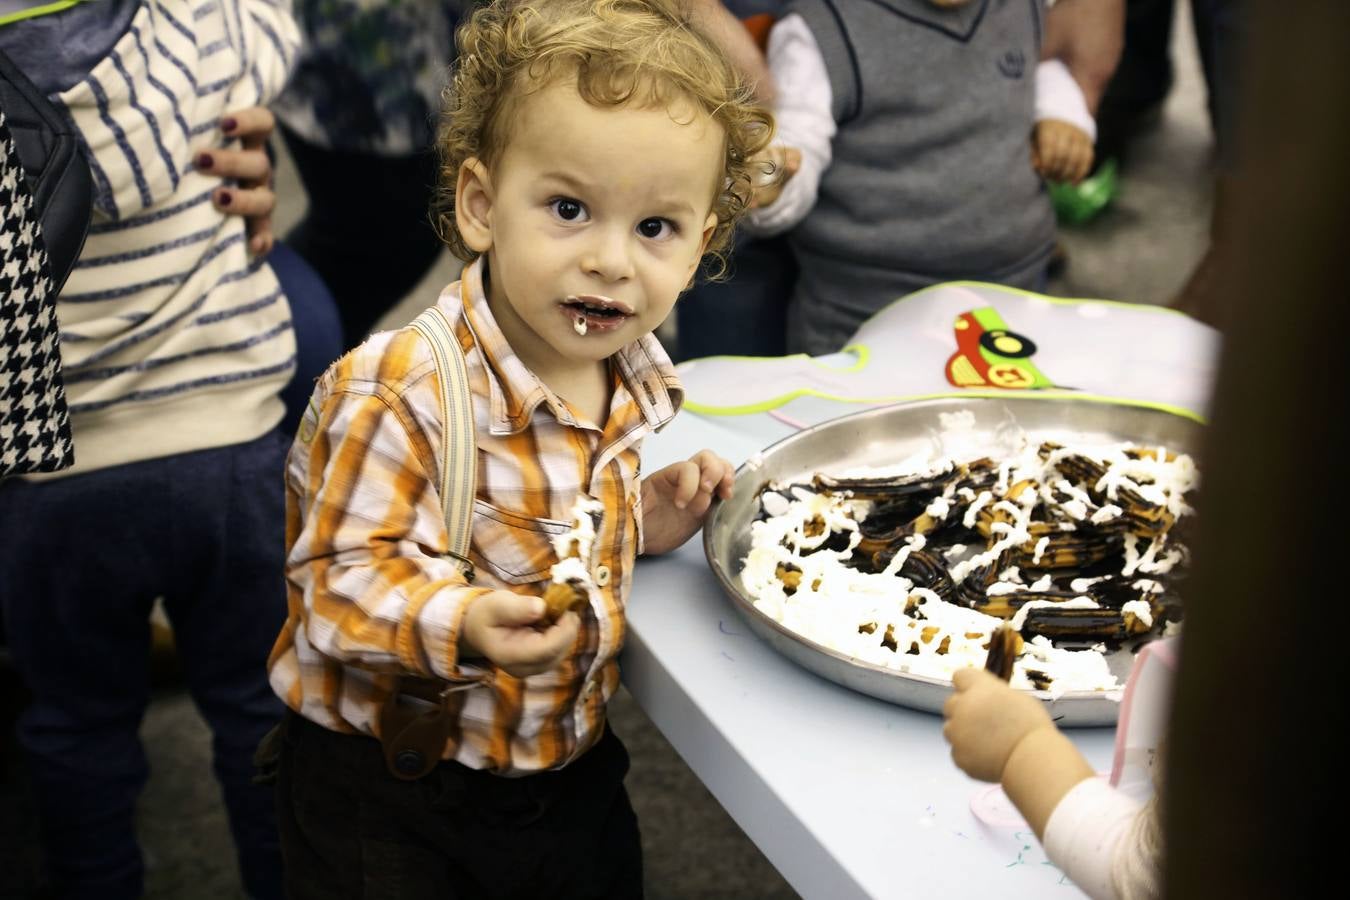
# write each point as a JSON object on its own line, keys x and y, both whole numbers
{"x": 593, "y": 151}
{"x": 176, "y": 344}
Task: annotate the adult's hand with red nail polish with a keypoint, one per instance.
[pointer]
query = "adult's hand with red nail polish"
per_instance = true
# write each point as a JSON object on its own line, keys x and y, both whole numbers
{"x": 250, "y": 168}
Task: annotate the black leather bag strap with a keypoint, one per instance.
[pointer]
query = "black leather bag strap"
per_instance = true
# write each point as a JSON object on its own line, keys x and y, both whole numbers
{"x": 53, "y": 165}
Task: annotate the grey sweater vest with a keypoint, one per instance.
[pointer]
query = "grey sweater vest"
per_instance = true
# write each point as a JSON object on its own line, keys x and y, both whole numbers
{"x": 931, "y": 177}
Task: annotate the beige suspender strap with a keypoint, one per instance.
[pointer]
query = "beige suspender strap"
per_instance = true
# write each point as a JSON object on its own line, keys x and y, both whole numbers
{"x": 458, "y": 460}
{"x": 413, "y": 739}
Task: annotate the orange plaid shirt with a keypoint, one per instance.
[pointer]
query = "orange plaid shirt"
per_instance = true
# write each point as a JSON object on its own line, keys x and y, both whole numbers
{"x": 371, "y": 592}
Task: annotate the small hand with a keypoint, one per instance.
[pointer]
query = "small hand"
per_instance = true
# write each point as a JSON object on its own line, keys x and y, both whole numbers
{"x": 1060, "y": 151}
{"x": 772, "y": 169}
{"x": 509, "y": 630}
{"x": 986, "y": 720}
{"x": 675, "y": 499}
{"x": 251, "y": 168}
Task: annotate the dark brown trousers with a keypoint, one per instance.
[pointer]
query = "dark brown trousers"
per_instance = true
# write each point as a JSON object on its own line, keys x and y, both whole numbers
{"x": 351, "y": 830}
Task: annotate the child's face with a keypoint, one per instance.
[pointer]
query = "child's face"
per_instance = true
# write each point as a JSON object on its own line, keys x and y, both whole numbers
{"x": 597, "y": 214}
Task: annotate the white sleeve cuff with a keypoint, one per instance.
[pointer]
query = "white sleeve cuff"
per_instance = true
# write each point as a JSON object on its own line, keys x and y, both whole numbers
{"x": 1086, "y": 830}
{"x": 1058, "y": 96}
{"x": 805, "y": 121}
{"x": 440, "y": 621}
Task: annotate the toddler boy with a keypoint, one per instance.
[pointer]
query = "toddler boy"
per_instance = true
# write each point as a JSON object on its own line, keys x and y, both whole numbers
{"x": 593, "y": 152}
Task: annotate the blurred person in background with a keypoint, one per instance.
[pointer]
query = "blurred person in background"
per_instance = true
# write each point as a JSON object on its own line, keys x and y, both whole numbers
{"x": 358, "y": 118}
{"x": 1134, "y": 99}
{"x": 177, "y": 347}
{"x": 924, "y": 129}
{"x": 1257, "y": 717}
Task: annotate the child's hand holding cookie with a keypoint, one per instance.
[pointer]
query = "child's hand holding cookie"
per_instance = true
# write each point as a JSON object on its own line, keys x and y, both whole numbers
{"x": 513, "y": 632}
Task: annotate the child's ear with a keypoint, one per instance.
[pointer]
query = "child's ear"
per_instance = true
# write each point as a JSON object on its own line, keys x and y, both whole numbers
{"x": 473, "y": 205}
{"x": 709, "y": 226}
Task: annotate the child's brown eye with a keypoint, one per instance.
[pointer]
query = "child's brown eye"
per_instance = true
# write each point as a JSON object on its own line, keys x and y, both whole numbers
{"x": 567, "y": 210}
{"x": 655, "y": 228}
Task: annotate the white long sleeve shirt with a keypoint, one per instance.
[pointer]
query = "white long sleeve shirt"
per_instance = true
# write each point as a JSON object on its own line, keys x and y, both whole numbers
{"x": 1102, "y": 839}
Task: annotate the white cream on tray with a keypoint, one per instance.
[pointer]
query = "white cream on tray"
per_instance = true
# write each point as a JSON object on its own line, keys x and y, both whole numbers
{"x": 859, "y": 613}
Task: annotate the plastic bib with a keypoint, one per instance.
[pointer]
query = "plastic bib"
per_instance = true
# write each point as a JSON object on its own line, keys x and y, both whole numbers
{"x": 1144, "y": 712}
{"x": 982, "y": 339}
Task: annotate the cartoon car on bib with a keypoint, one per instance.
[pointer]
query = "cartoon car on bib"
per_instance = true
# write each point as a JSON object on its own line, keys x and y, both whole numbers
{"x": 989, "y": 354}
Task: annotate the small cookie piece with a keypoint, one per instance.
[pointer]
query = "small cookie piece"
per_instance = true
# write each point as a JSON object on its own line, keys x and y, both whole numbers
{"x": 560, "y": 597}
{"x": 1005, "y": 645}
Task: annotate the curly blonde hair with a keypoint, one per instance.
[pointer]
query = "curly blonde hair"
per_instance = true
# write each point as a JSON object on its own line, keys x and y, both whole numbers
{"x": 619, "y": 52}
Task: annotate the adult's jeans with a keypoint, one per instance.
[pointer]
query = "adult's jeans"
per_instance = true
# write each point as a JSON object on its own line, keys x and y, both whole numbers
{"x": 81, "y": 562}
{"x": 318, "y": 331}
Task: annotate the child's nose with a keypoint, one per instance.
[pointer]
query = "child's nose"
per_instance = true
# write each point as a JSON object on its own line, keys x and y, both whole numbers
{"x": 608, "y": 255}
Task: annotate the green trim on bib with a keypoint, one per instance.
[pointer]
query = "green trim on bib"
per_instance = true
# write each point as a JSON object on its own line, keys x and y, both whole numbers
{"x": 702, "y": 410}
{"x": 862, "y": 351}
{"x": 35, "y": 11}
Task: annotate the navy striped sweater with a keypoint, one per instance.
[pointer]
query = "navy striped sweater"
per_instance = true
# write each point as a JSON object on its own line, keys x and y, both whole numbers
{"x": 173, "y": 339}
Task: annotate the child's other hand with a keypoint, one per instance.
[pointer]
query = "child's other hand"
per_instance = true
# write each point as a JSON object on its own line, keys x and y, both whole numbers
{"x": 251, "y": 168}
{"x": 508, "y": 629}
{"x": 1060, "y": 151}
{"x": 675, "y": 499}
{"x": 773, "y": 168}
{"x": 986, "y": 720}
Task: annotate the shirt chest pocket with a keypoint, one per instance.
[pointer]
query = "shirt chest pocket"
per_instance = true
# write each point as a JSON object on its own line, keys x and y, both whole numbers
{"x": 514, "y": 549}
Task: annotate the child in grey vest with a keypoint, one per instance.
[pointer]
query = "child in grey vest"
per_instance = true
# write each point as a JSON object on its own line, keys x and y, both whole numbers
{"x": 914, "y": 120}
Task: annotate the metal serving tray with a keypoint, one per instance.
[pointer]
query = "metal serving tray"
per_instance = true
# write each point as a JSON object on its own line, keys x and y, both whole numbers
{"x": 885, "y": 437}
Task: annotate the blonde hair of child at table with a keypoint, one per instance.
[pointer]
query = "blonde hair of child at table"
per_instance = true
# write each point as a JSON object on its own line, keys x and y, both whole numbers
{"x": 511, "y": 49}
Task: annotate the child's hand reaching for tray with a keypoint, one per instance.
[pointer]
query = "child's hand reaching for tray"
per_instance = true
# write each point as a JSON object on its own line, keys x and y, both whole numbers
{"x": 675, "y": 499}
{"x": 986, "y": 720}
{"x": 1005, "y": 735}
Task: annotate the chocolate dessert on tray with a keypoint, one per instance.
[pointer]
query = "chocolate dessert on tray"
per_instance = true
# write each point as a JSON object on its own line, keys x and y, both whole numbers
{"x": 886, "y": 549}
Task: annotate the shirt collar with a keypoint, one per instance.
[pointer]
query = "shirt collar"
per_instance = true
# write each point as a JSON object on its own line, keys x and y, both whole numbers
{"x": 643, "y": 368}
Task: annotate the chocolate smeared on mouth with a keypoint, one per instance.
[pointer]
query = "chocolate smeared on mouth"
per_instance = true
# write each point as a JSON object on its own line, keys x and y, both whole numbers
{"x": 599, "y": 310}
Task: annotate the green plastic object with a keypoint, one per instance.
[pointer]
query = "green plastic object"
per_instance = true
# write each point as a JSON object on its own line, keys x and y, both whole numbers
{"x": 1078, "y": 203}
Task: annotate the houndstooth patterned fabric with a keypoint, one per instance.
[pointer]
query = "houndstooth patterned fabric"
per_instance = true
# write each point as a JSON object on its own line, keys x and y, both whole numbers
{"x": 34, "y": 421}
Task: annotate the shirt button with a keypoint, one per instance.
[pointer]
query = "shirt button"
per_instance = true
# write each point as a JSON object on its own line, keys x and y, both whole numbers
{"x": 601, "y": 575}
